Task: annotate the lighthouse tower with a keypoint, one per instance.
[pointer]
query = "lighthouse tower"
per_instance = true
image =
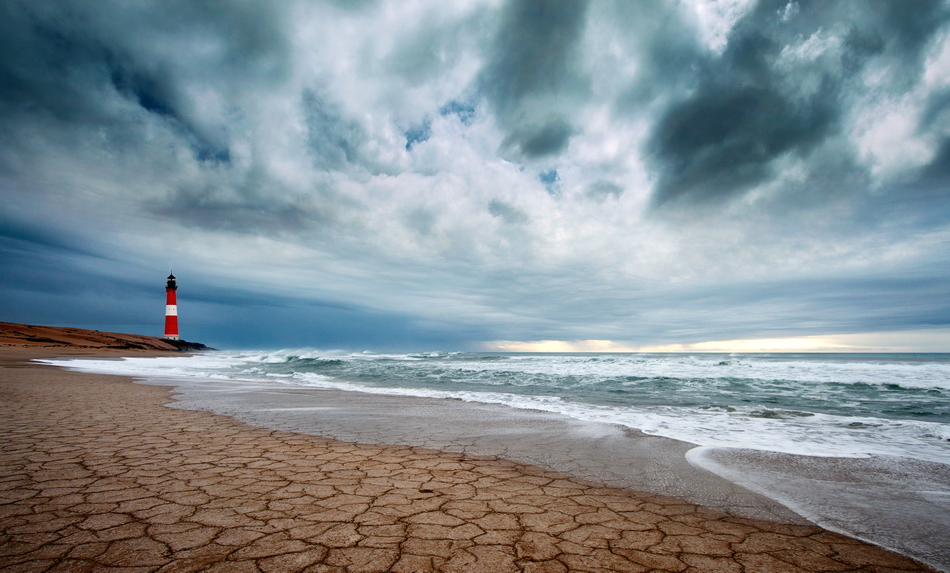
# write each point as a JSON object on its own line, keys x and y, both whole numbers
{"x": 171, "y": 309}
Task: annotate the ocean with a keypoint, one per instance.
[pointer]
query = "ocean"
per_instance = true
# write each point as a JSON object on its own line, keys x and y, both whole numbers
{"x": 857, "y": 443}
{"x": 842, "y": 405}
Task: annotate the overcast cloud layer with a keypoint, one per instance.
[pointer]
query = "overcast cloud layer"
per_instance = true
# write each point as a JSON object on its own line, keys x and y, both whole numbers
{"x": 430, "y": 174}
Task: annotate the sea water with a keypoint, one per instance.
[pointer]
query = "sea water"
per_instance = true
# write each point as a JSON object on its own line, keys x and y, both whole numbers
{"x": 836, "y": 405}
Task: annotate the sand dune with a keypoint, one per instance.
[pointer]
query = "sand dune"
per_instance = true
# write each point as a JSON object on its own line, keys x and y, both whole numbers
{"x": 32, "y": 336}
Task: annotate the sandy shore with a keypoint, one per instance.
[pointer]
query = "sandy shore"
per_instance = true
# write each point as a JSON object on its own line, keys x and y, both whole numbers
{"x": 897, "y": 503}
{"x": 603, "y": 453}
{"x": 97, "y": 475}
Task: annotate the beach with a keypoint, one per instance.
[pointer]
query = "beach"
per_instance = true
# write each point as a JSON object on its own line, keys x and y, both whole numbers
{"x": 855, "y": 443}
{"x": 100, "y": 476}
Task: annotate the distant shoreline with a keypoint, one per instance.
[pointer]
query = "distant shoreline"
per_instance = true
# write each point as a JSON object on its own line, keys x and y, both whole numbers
{"x": 14, "y": 335}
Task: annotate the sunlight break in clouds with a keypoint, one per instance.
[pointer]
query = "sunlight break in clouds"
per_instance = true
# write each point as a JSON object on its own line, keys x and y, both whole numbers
{"x": 936, "y": 340}
{"x": 715, "y": 18}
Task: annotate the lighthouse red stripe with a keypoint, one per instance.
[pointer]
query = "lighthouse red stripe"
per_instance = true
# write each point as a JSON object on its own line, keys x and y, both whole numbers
{"x": 171, "y": 326}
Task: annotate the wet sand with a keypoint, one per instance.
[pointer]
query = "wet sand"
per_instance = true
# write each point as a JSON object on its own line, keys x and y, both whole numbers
{"x": 898, "y": 503}
{"x": 97, "y": 475}
{"x": 603, "y": 453}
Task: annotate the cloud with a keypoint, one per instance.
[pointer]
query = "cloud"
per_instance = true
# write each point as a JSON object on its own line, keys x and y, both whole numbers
{"x": 782, "y": 88}
{"x": 936, "y": 175}
{"x": 600, "y": 190}
{"x": 532, "y": 67}
{"x": 333, "y": 139}
{"x": 663, "y": 172}
{"x": 508, "y": 213}
{"x": 532, "y": 141}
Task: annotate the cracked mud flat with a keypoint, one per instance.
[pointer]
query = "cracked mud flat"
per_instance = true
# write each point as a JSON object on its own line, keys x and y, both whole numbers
{"x": 96, "y": 475}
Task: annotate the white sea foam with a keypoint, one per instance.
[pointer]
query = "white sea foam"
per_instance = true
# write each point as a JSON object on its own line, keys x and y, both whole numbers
{"x": 905, "y": 373}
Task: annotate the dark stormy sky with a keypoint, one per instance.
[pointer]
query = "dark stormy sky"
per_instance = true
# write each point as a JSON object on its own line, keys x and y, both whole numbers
{"x": 480, "y": 174}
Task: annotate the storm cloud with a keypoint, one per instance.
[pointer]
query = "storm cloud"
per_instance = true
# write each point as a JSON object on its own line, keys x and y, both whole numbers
{"x": 533, "y": 64}
{"x": 451, "y": 173}
{"x": 783, "y": 88}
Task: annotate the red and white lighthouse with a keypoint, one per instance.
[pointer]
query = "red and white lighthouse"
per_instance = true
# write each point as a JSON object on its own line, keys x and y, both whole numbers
{"x": 171, "y": 309}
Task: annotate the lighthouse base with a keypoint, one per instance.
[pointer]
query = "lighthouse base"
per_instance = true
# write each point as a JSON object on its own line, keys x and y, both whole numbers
{"x": 170, "y": 337}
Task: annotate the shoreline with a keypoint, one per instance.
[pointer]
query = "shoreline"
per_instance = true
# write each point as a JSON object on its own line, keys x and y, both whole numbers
{"x": 586, "y": 450}
{"x": 157, "y": 487}
{"x": 877, "y": 499}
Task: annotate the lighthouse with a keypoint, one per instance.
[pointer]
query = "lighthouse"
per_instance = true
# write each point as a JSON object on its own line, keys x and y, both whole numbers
{"x": 171, "y": 309}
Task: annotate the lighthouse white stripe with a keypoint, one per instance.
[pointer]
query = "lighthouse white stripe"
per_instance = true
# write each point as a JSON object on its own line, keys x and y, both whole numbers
{"x": 171, "y": 310}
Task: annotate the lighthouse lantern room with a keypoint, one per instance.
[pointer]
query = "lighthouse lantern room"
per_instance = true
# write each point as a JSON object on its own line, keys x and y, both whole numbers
{"x": 171, "y": 309}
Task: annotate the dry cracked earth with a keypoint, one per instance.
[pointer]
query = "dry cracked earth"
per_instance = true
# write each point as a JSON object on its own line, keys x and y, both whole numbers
{"x": 96, "y": 475}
